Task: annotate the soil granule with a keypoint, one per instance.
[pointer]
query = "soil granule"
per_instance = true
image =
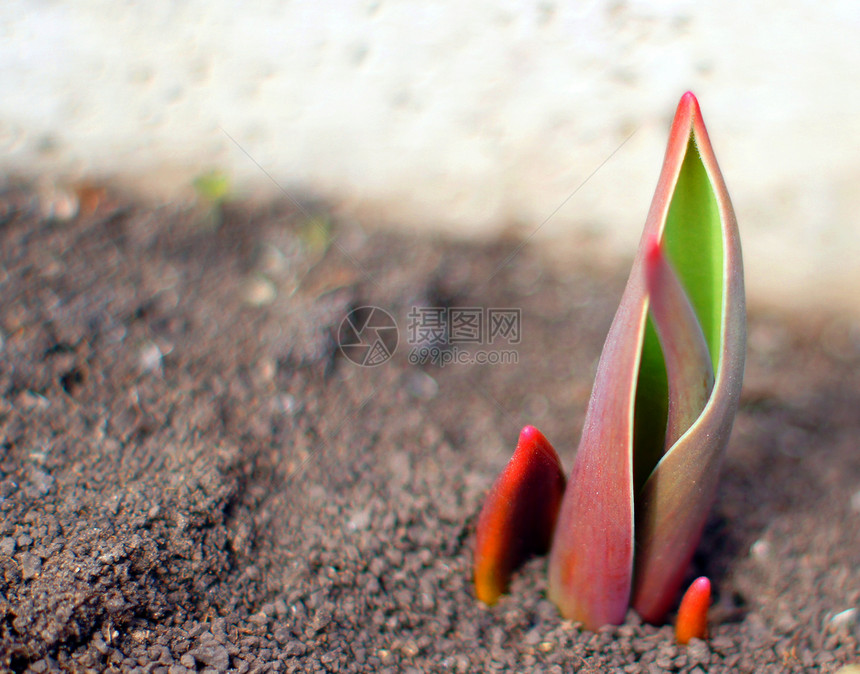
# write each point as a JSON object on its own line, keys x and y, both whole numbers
{"x": 193, "y": 477}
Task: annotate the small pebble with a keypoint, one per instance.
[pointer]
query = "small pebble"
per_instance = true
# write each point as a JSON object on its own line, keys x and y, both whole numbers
{"x": 843, "y": 621}
{"x": 410, "y": 649}
{"x": 40, "y": 483}
{"x": 288, "y": 404}
{"x": 421, "y": 385}
{"x": 30, "y": 566}
{"x": 7, "y": 488}
{"x": 150, "y": 358}
{"x": 211, "y": 653}
{"x": 58, "y": 203}
{"x": 259, "y": 291}
{"x": 7, "y": 546}
{"x": 260, "y": 619}
{"x": 294, "y": 648}
{"x": 760, "y": 550}
{"x": 282, "y": 634}
{"x": 359, "y": 521}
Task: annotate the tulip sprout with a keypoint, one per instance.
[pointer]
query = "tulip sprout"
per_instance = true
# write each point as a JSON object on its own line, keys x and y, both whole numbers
{"x": 623, "y": 529}
{"x": 692, "y": 622}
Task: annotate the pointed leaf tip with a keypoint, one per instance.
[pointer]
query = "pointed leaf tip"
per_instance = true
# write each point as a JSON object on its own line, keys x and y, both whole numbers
{"x": 519, "y": 514}
{"x": 692, "y": 622}
{"x": 689, "y": 98}
{"x": 689, "y": 105}
{"x": 685, "y": 352}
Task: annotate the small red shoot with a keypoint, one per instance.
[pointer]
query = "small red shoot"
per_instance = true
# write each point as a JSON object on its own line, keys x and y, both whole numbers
{"x": 692, "y": 620}
{"x": 519, "y": 514}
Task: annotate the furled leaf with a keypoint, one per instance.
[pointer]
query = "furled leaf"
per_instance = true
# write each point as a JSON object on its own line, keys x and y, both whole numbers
{"x": 701, "y": 238}
{"x": 689, "y": 373}
{"x": 591, "y": 561}
{"x": 623, "y": 445}
{"x": 519, "y": 514}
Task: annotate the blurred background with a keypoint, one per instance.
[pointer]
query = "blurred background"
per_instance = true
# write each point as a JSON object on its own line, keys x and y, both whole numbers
{"x": 467, "y": 118}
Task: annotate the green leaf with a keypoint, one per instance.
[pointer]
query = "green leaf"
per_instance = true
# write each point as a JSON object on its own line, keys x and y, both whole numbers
{"x": 701, "y": 239}
{"x": 591, "y": 566}
{"x": 213, "y": 186}
{"x": 692, "y": 238}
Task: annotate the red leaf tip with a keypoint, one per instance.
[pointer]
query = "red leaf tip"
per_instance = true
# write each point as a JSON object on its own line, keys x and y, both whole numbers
{"x": 519, "y": 514}
{"x": 530, "y": 434}
{"x": 692, "y": 622}
{"x": 688, "y": 107}
{"x": 533, "y": 442}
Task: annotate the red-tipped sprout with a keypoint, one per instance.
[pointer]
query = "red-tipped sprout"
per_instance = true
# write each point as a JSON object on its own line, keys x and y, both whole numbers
{"x": 660, "y": 414}
{"x": 519, "y": 514}
{"x": 655, "y": 430}
{"x": 692, "y": 622}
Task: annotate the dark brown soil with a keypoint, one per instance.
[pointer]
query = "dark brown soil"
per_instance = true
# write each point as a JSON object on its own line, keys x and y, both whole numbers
{"x": 193, "y": 476}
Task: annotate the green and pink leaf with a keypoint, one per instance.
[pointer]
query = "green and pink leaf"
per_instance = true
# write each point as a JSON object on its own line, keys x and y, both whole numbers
{"x": 636, "y": 406}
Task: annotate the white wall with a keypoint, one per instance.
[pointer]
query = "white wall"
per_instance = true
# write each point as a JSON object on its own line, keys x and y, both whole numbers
{"x": 462, "y": 116}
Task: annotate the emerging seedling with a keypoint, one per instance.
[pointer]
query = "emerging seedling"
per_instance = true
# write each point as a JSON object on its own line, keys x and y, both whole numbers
{"x": 519, "y": 514}
{"x": 692, "y": 622}
{"x": 660, "y": 414}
